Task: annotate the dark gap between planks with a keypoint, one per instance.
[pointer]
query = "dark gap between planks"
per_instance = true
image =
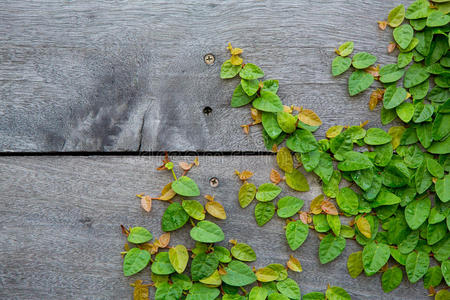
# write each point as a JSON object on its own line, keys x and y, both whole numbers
{"x": 145, "y": 153}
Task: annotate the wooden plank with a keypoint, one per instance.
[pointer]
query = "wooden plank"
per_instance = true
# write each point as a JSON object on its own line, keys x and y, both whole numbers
{"x": 129, "y": 75}
{"x": 60, "y": 217}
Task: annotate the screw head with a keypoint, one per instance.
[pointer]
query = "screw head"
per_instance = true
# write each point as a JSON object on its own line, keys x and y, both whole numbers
{"x": 213, "y": 181}
{"x": 209, "y": 59}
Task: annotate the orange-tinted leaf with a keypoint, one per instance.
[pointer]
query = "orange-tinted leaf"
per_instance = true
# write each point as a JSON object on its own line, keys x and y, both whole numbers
{"x": 216, "y": 209}
{"x": 146, "y": 203}
{"x": 321, "y": 236}
{"x": 375, "y": 98}
{"x": 329, "y": 208}
{"x": 164, "y": 240}
{"x": 287, "y": 109}
{"x": 364, "y": 227}
{"x": 316, "y": 205}
{"x": 256, "y": 116}
{"x": 391, "y": 47}
{"x": 209, "y": 197}
{"x": 274, "y": 148}
{"x": 244, "y": 175}
{"x": 245, "y": 128}
{"x": 309, "y": 117}
{"x": 305, "y": 217}
{"x": 196, "y": 162}
{"x": 275, "y": 177}
{"x": 236, "y": 60}
{"x": 185, "y": 166}
{"x": 382, "y": 25}
{"x": 374, "y": 71}
{"x": 294, "y": 264}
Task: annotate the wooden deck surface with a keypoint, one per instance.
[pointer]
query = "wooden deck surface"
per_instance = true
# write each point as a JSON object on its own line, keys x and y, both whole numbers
{"x": 129, "y": 76}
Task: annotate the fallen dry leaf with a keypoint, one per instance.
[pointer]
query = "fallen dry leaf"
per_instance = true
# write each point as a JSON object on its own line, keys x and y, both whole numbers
{"x": 382, "y": 25}
{"x": 329, "y": 208}
{"x": 146, "y": 203}
{"x": 275, "y": 177}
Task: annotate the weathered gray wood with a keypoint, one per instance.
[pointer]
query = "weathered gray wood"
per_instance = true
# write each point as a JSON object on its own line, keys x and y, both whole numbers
{"x": 129, "y": 75}
{"x": 60, "y": 217}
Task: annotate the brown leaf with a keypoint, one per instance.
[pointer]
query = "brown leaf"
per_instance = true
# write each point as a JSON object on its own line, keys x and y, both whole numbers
{"x": 374, "y": 71}
{"x": 294, "y": 264}
{"x": 216, "y": 209}
{"x": 391, "y": 47}
{"x": 146, "y": 203}
{"x": 126, "y": 247}
{"x": 274, "y": 148}
{"x": 167, "y": 193}
{"x": 209, "y": 197}
{"x": 364, "y": 227}
{"x": 275, "y": 177}
{"x": 244, "y": 175}
{"x": 140, "y": 290}
{"x": 256, "y": 115}
{"x": 431, "y": 291}
{"x": 124, "y": 230}
{"x": 309, "y": 117}
{"x": 385, "y": 268}
{"x": 375, "y": 98}
{"x": 329, "y": 208}
{"x": 305, "y": 217}
{"x": 316, "y": 205}
{"x": 245, "y": 128}
{"x": 382, "y": 25}
{"x": 164, "y": 240}
{"x": 222, "y": 271}
{"x": 164, "y": 162}
{"x": 185, "y": 166}
{"x": 321, "y": 236}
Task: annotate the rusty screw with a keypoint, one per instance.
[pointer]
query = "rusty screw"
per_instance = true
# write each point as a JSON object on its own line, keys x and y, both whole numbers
{"x": 214, "y": 182}
{"x": 209, "y": 59}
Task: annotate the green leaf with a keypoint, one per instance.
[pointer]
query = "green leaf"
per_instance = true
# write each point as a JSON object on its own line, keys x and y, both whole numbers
{"x": 268, "y": 101}
{"x": 354, "y": 161}
{"x": 417, "y": 265}
{"x": 250, "y": 87}
{"x": 179, "y": 258}
{"x": 330, "y": 248}
{"x": 270, "y": 124}
{"x": 422, "y": 178}
{"x": 270, "y": 85}
{"x": 199, "y": 291}
{"x": 238, "y": 274}
{"x": 185, "y": 186}
{"x": 363, "y": 60}
{"x": 383, "y": 154}
{"x": 424, "y": 134}
{"x": 403, "y": 35}
{"x": 387, "y": 115}
{"x": 258, "y": 293}
{"x": 359, "y": 81}
{"x": 243, "y": 252}
{"x": 436, "y": 232}
{"x": 393, "y": 97}
{"x": 280, "y": 270}
{"x": 251, "y": 71}
{"x": 419, "y": 9}
{"x": 289, "y": 206}
{"x": 391, "y": 73}
{"x": 139, "y": 235}
{"x": 194, "y": 209}
{"x": 437, "y": 18}
{"x": 174, "y": 217}
{"x": 207, "y": 232}
{"x": 418, "y": 24}
{"x": 228, "y": 70}
{"x": 409, "y": 243}
{"x": 417, "y": 212}
{"x": 314, "y": 296}
{"x": 420, "y": 91}
{"x": 240, "y": 98}
{"x": 422, "y": 112}
{"x": 181, "y": 280}
{"x": 400, "y": 258}
{"x": 203, "y": 265}
{"x": 425, "y": 37}
{"x": 433, "y": 277}
{"x": 296, "y": 234}
{"x": 331, "y": 189}
{"x": 162, "y": 265}
{"x": 321, "y": 223}
{"x": 341, "y": 144}
{"x": 302, "y": 141}
{"x": 391, "y": 279}
{"x": 440, "y": 147}
{"x": 289, "y": 288}
{"x": 442, "y": 295}
{"x": 135, "y": 261}
{"x": 335, "y": 224}
{"x": 375, "y": 256}
{"x": 416, "y": 74}
{"x": 355, "y": 264}
{"x": 377, "y": 136}
{"x": 310, "y": 160}
{"x": 441, "y": 126}
{"x": 337, "y": 293}
{"x": 404, "y": 58}
{"x": 264, "y": 211}
{"x": 267, "y": 192}
{"x": 347, "y": 201}
{"x": 168, "y": 291}
{"x": 277, "y": 296}
{"x": 445, "y": 267}
{"x": 286, "y": 121}
{"x": 340, "y": 65}
{"x": 443, "y": 188}
{"x": 345, "y": 49}
{"x": 325, "y": 167}
{"x": 405, "y": 111}
{"x": 247, "y": 193}
{"x": 396, "y": 16}
{"x": 297, "y": 181}
{"x": 222, "y": 254}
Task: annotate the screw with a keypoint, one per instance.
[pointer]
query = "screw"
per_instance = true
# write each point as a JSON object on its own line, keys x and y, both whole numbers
{"x": 214, "y": 182}
{"x": 209, "y": 59}
{"x": 207, "y": 110}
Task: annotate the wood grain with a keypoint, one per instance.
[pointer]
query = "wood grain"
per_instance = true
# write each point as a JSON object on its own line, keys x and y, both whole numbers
{"x": 60, "y": 217}
{"x": 129, "y": 75}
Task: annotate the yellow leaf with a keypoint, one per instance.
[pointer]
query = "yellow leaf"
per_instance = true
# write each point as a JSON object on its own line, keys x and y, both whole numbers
{"x": 196, "y": 162}
{"x": 167, "y": 193}
{"x": 236, "y": 60}
{"x": 316, "y": 205}
{"x": 363, "y": 123}
{"x": 294, "y": 264}
{"x": 209, "y": 197}
{"x": 256, "y": 115}
{"x": 396, "y": 133}
{"x": 309, "y": 117}
{"x": 382, "y": 25}
{"x": 244, "y": 175}
{"x": 364, "y": 227}
{"x": 334, "y": 131}
{"x": 287, "y": 109}
{"x": 213, "y": 280}
{"x": 146, "y": 203}
{"x": 140, "y": 290}
{"x": 266, "y": 275}
{"x": 375, "y": 98}
{"x": 126, "y": 247}
{"x": 275, "y": 177}
{"x": 229, "y": 47}
{"x": 236, "y": 51}
{"x": 216, "y": 209}
{"x": 164, "y": 240}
